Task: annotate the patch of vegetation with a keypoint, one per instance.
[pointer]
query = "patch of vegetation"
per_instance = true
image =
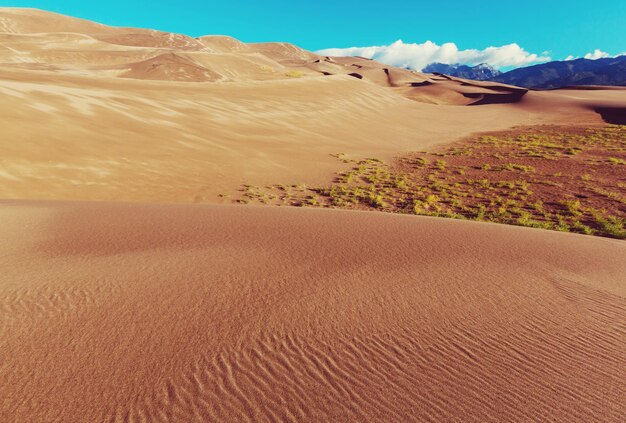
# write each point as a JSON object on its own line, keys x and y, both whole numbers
{"x": 554, "y": 178}
{"x": 616, "y": 161}
{"x": 294, "y": 74}
{"x": 513, "y": 167}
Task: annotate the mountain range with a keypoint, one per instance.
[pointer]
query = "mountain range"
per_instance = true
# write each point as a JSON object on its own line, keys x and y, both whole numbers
{"x": 481, "y": 72}
{"x": 606, "y": 71}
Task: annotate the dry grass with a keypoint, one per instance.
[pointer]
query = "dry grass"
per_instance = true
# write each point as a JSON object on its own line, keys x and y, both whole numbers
{"x": 562, "y": 179}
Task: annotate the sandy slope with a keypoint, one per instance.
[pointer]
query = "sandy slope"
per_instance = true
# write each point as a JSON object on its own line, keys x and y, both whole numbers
{"x": 119, "y": 312}
{"x": 113, "y": 312}
{"x": 92, "y": 112}
{"x": 83, "y": 137}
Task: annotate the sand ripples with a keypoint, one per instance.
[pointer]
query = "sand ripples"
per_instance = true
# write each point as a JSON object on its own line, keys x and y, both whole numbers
{"x": 154, "y": 315}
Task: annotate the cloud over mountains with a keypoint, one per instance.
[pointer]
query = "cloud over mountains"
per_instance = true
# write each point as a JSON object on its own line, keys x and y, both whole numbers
{"x": 417, "y": 56}
{"x": 596, "y": 54}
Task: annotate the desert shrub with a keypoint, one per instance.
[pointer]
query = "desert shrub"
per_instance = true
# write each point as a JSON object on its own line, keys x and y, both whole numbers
{"x": 294, "y": 74}
{"x": 616, "y": 161}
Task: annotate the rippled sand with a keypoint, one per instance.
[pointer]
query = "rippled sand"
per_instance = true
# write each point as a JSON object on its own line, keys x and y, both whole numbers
{"x": 117, "y": 312}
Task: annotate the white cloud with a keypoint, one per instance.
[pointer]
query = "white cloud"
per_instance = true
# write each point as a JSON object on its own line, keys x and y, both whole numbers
{"x": 418, "y": 56}
{"x": 597, "y": 54}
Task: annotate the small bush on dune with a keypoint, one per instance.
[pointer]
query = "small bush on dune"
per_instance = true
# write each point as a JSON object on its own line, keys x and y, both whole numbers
{"x": 294, "y": 74}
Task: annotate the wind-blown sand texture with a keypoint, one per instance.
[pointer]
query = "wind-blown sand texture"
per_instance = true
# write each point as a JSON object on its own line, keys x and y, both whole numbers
{"x": 116, "y": 312}
{"x": 129, "y": 312}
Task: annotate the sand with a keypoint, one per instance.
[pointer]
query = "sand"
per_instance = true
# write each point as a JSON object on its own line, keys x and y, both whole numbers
{"x": 118, "y": 312}
{"x": 91, "y": 112}
{"x": 136, "y": 312}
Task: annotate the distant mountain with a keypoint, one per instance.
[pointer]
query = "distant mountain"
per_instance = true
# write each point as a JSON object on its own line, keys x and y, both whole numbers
{"x": 480, "y": 72}
{"x": 609, "y": 71}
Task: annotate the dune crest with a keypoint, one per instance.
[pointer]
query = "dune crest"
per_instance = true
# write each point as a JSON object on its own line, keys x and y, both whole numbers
{"x": 170, "y": 67}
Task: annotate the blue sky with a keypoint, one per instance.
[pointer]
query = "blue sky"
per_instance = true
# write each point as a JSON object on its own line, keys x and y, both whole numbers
{"x": 554, "y": 29}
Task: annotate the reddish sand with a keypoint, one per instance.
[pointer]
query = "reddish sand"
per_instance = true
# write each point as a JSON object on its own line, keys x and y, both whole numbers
{"x": 126, "y": 312}
{"x": 115, "y": 312}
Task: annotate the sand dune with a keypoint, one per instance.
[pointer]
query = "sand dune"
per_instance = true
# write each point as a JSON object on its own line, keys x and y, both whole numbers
{"x": 170, "y": 67}
{"x": 223, "y": 44}
{"x": 154, "y": 39}
{"x": 15, "y": 20}
{"x": 185, "y": 141}
{"x": 186, "y": 119}
{"x": 126, "y": 312}
{"x": 283, "y": 51}
{"x": 113, "y": 312}
{"x": 47, "y": 25}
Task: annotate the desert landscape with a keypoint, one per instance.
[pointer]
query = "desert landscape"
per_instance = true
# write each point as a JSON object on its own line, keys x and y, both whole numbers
{"x": 201, "y": 229}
